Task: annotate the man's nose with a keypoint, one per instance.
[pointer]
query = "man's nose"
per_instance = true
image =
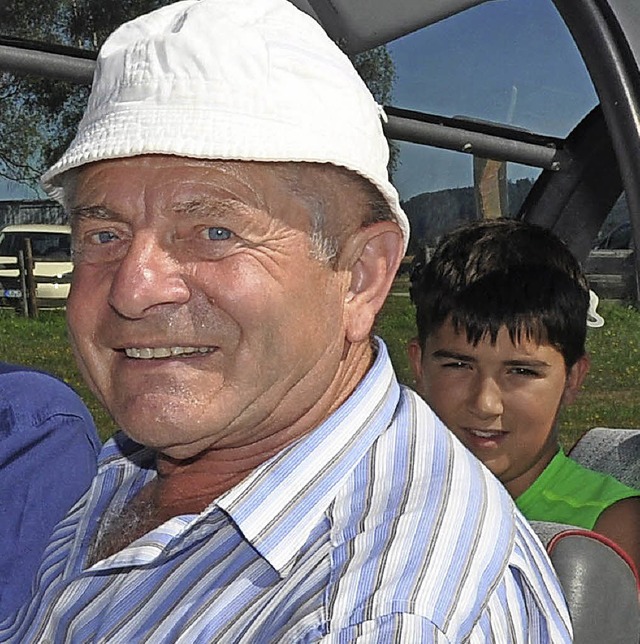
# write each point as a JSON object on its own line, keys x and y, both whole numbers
{"x": 486, "y": 397}
{"x": 147, "y": 277}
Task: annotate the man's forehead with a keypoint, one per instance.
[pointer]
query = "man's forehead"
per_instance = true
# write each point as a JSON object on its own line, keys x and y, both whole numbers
{"x": 166, "y": 173}
{"x": 300, "y": 174}
{"x": 314, "y": 186}
{"x": 171, "y": 161}
{"x": 189, "y": 187}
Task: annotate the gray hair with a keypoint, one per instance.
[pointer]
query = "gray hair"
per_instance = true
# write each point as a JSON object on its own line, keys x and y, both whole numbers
{"x": 327, "y": 191}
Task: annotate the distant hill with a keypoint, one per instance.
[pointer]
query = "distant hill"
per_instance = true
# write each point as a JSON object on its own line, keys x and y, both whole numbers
{"x": 432, "y": 214}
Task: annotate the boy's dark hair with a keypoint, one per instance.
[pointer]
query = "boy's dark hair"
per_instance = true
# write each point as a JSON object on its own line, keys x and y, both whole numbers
{"x": 504, "y": 272}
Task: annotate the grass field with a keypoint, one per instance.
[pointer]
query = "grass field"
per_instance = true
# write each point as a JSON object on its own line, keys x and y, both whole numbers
{"x": 611, "y": 395}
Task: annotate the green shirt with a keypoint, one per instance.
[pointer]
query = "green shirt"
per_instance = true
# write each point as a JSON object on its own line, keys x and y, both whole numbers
{"x": 567, "y": 492}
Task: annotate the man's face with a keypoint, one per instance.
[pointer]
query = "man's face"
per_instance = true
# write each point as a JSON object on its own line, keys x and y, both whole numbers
{"x": 501, "y": 400}
{"x": 197, "y": 312}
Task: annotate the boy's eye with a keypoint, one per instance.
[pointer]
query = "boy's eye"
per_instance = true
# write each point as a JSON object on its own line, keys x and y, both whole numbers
{"x": 525, "y": 371}
{"x": 455, "y": 364}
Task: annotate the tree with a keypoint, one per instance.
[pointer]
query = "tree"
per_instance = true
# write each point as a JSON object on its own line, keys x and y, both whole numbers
{"x": 378, "y": 71}
{"x": 39, "y": 116}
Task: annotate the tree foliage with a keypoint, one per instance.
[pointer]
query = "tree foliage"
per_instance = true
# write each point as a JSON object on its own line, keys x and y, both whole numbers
{"x": 377, "y": 69}
{"x": 39, "y": 116}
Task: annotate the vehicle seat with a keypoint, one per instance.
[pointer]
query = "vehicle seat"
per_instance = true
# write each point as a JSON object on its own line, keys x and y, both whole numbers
{"x": 599, "y": 581}
{"x": 611, "y": 451}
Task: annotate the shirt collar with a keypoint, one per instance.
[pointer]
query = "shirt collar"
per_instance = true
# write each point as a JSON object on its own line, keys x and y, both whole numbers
{"x": 279, "y": 503}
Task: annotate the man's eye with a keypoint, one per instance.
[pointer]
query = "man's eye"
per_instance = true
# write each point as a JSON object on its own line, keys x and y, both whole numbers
{"x": 218, "y": 234}
{"x": 103, "y": 237}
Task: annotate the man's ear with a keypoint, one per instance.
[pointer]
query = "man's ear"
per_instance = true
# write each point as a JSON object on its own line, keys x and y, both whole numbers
{"x": 575, "y": 378}
{"x": 373, "y": 254}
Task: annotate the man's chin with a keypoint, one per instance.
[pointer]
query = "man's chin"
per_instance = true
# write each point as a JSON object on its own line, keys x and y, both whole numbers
{"x": 174, "y": 444}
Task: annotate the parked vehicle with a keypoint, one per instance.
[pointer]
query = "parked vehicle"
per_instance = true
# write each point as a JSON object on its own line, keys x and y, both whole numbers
{"x": 51, "y": 248}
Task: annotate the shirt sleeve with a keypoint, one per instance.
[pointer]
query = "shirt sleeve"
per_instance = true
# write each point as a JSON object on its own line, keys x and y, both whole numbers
{"x": 45, "y": 467}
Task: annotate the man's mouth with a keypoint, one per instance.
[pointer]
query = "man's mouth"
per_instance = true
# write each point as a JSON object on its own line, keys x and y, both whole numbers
{"x": 150, "y": 353}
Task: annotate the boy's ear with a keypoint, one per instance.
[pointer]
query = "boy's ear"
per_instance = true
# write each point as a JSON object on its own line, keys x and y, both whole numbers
{"x": 373, "y": 254}
{"x": 575, "y": 378}
{"x": 414, "y": 351}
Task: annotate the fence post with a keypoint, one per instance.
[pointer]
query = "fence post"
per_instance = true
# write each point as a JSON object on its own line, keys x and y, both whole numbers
{"x": 22, "y": 271}
{"x": 636, "y": 271}
{"x": 32, "y": 304}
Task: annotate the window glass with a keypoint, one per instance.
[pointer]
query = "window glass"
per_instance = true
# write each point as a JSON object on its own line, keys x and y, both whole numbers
{"x": 45, "y": 246}
{"x": 513, "y": 63}
{"x": 616, "y": 233}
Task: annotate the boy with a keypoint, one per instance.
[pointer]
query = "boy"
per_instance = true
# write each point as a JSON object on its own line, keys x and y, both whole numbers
{"x": 502, "y": 311}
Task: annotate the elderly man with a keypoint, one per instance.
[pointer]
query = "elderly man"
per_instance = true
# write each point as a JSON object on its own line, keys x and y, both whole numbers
{"x": 235, "y": 236}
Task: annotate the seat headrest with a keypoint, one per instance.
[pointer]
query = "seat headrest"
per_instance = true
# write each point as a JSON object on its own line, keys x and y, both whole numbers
{"x": 611, "y": 451}
{"x": 601, "y": 587}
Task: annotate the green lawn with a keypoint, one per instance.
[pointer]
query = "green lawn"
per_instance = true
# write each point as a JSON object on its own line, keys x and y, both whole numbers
{"x": 611, "y": 394}
{"x": 43, "y": 343}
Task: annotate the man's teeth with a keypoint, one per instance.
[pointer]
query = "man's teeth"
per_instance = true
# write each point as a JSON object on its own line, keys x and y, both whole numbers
{"x": 147, "y": 353}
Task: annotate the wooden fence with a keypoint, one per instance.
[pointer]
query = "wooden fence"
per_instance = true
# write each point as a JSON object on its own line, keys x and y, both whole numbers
{"x": 612, "y": 274}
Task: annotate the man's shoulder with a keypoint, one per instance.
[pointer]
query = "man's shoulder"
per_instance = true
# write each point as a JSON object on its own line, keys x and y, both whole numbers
{"x": 439, "y": 531}
{"x": 418, "y": 472}
{"x": 429, "y": 460}
{"x": 20, "y": 383}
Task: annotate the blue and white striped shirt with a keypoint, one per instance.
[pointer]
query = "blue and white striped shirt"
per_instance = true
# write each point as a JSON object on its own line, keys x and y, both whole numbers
{"x": 376, "y": 527}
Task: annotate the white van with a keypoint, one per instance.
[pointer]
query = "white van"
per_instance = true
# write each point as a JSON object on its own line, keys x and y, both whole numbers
{"x": 51, "y": 248}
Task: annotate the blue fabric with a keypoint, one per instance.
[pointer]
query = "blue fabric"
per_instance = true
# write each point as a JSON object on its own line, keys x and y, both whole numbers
{"x": 376, "y": 527}
{"x": 48, "y": 452}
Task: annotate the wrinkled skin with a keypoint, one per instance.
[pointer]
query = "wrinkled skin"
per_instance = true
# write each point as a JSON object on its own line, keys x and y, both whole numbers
{"x": 174, "y": 254}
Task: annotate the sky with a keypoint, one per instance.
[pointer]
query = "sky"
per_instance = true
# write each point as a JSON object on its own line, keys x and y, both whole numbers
{"x": 507, "y": 61}
{"x": 12, "y": 190}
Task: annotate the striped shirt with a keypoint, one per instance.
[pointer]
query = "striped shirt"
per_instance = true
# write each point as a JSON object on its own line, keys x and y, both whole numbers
{"x": 378, "y": 526}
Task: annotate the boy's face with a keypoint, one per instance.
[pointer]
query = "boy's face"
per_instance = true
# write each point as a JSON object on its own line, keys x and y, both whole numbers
{"x": 501, "y": 400}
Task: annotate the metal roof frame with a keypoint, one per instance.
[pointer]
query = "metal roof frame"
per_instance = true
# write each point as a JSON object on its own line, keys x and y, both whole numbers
{"x": 606, "y": 32}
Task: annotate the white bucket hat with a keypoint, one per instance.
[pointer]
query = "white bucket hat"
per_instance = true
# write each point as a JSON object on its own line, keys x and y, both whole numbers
{"x": 251, "y": 80}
